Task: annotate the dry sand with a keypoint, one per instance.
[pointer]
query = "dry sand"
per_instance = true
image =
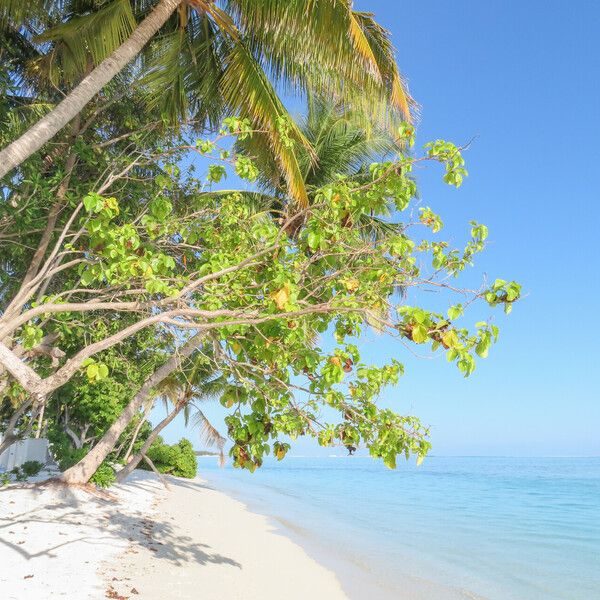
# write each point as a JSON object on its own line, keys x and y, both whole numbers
{"x": 148, "y": 543}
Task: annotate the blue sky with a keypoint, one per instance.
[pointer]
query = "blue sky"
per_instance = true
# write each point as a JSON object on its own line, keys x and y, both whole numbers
{"x": 523, "y": 77}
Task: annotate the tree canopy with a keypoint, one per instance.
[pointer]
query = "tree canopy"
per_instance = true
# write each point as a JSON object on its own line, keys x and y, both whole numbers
{"x": 130, "y": 274}
{"x": 166, "y": 253}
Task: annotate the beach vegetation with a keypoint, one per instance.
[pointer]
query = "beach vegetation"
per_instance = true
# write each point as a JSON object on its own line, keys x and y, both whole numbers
{"x": 104, "y": 476}
{"x": 131, "y": 275}
{"x": 31, "y": 468}
{"x": 251, "y": 302}
{"x": 23, "y": 472}
{"x": 198, "y": 60}
{"x": 176, "y": 459}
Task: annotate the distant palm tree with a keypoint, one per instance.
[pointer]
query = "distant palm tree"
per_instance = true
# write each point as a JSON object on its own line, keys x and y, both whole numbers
{"x": 208, "y": 58}
{"x": 182, "y": 392}
{"x": 342, "y": 143}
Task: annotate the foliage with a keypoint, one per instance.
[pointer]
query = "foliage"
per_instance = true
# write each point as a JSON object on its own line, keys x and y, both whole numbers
{"x": 28, "y": 469}
{"x": 31, "y": 468}
{"x": 178, "y": 460}
{"x": 18, "y": 474}
{"x": 209, "y": 60}
{"x": 104, "y": 476}
{"x": 63, "y": 450}
{"x": 167, "y": 259}
{"x": 144, "y": 255}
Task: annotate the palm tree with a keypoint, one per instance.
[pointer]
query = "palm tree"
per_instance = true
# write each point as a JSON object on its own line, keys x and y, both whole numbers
{"x": 207, "y": 59}
{"x": 183, "y": 392}
{"x": 342, "y": 142}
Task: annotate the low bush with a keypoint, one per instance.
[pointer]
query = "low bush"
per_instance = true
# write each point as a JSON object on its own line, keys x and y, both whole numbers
{"x": 18, "y": 474}
{"x": 104, "y": 476}
{"x": 178, "y": 459}
{"x": 61, "y": 448}
{"x": 31, "y": 468}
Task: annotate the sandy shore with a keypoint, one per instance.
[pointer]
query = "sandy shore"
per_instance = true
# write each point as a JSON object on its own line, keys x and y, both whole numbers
{"x": 145, "y": 542}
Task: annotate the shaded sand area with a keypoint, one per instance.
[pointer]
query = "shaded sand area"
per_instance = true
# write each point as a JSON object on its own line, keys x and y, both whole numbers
{"x": 145, "y": 542}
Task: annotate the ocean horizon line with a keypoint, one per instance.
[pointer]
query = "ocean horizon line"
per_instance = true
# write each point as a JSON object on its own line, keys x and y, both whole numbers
{"x": 356, "y": 456}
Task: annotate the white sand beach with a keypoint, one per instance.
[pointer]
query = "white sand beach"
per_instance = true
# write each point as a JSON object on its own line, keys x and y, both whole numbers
{"x": 143, "y": 541}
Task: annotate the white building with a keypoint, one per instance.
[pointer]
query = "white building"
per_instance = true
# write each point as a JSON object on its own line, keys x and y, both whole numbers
{"x": 24, "y": 450}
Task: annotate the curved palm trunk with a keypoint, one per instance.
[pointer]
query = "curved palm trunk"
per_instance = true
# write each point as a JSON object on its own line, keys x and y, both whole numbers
{"x": 9, "y": 435}
{"x": 47, "y": 127}
{"x": 87, "y": 466}
{"x": 137, "y": 432}
{"x": 135, "y": 461}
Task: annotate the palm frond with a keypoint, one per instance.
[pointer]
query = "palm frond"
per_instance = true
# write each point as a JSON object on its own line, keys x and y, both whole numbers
{"x": 209, "y": 434}
{"x": 340, "y": 141}
{"x": 324, "y": 46}
{"x": 90, "y": 37}
{"x": 183, "y": 69}
{"x": 340, "y": 145}
{"x": 247, "y": 89}
{"x": 375, "y": 228}
{"x": 383, "y": 52}
{"x": 19, "y": 12}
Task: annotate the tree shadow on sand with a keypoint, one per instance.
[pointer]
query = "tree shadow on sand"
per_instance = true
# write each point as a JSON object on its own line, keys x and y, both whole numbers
{"x": 80, "y": 517}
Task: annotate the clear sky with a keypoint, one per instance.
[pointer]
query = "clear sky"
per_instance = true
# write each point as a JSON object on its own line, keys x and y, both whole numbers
{"x": 524, "y": 78}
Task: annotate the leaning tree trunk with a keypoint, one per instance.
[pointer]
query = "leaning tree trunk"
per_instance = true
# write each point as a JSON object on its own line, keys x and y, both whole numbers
{"x": 137, "y": 458}
{"x": 9, "y": 435}
{"x": 48, "y": 126}
{"x": 137, "y": 432}
{"x": 87, "y": 466}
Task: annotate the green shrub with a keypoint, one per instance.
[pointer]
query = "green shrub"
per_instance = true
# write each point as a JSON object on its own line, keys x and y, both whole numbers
{"x": 61, "y": 448}
{"x": 31, "y": 468}
{"x": 178, "y": 459}
{"x": 104, "y": 476}
{"x": 70, "y": 457}
{"x": 4, "y": 479}
{"x": 18, "y": 474}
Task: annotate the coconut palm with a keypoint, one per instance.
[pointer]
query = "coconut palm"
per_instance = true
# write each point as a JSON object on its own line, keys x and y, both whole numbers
{"x": 342, "y": 143}
{"x": 182, "y": 392}
{"x": 206, "y": 59}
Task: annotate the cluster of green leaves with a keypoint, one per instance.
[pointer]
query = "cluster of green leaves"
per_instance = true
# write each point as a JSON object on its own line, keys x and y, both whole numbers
{"x": 177, "y": 459}
{"x": 327, "y": 264}
{"x": 104, "y": 476}
{"x": 366, "y": 276}
{"x": 119, "y": 251}
{"x": 279, "y": 279}
{"x": 503, "y": 292}
{"x": 29, "y": 468}
{"x": 448, "y": 153}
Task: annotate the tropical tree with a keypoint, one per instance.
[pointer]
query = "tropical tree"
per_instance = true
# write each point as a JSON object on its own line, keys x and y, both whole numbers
{"x": 184, "y": 392}
{"x": 162, "y": 255}
{"x": 207, "y": 59}
{"x": 342, "y": 143}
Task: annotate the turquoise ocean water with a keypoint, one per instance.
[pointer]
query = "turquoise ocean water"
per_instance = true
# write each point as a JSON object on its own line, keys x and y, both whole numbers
{"x": 492, "y": 528}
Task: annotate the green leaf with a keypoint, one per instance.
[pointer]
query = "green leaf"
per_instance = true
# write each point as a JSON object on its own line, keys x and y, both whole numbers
{"x": 483, "y": 347}
{"x": 455, "y": 311}
{"x": 92, "y": 372}
{"x": 450, "y": 338}
{"x": 419, "y": 333}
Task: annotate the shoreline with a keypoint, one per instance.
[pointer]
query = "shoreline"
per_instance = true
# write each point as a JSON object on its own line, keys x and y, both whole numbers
{"x": 141, "y": 540}
{"x": 357, "y": 577}
{"x": 215, "y": 544}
